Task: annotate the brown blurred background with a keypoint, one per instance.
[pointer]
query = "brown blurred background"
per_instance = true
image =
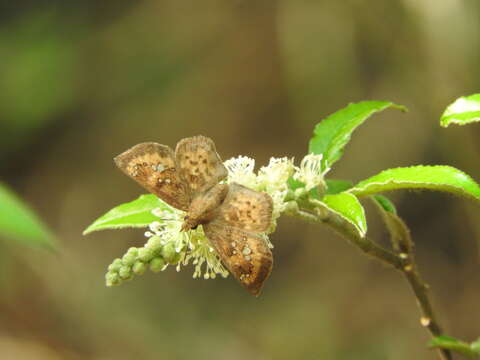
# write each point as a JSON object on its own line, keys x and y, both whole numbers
{"x": 81, "y": 81}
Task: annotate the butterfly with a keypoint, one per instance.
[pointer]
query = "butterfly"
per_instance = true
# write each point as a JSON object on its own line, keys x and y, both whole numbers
{"x": 233, "y": 216}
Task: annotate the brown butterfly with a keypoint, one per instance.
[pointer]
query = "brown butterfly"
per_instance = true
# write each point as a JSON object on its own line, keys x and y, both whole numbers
{"x": 233, "y": 216}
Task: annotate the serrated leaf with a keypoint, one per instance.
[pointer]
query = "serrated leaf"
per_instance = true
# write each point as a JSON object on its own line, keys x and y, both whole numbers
{"x": 333, "y": 133}
{"x": 441, "y": 178}
{"x": 337, "y": 186}
{"x": 450, "y": 343}
{"x": 349, "y": 208}
{"x": 463, "y": 111}
{"x": 385, "y": 203}
{"x": 134, "y": 214}
{"x": 19, "y": 223}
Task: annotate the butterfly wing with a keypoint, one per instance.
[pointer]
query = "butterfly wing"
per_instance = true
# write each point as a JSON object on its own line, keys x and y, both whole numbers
{"x": 246, "y": 209}
{"x": 245, "y": 254}
{"x": 198, "y": 163}
{"x": 235, "y": 233}
{"x": 152, "y": 165}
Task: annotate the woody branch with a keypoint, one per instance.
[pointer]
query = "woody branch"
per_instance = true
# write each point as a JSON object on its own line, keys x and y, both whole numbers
{"x": 401, "y": 258}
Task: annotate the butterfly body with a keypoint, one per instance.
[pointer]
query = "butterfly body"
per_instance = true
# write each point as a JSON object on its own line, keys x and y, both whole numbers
{"x": 204, "y": 206}
{"x": 233, "y": 217}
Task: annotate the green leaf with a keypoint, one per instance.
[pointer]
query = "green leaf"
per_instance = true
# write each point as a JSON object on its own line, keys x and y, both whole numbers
{"x": 19, "y": 223}
{"x": 349, "y": 208}
{"x": 333, "y": 133}
{"x": 441, "y": 178}
{"x": 464, "y": 110}
{"x": 337, "y": 186}
{"x": 134, "y": 214}
{"x": 450, "y": 343}
{"x": 385, "y": 203}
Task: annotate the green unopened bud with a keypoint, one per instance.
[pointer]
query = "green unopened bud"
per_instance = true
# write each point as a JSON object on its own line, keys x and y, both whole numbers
{"x": 112, "y": 279}
{"x": 133, "y": 251}
{"x": 125, "y": 272}
{"x": 139, "y": 267}
{"x": 129, "y": 259}
{"x": 157, "y": 264}
{"x": 145, "y": 254}
{"x": 170, "y": 254}
{"x": 115, "y": 265}
{"x": 154, "y": 243}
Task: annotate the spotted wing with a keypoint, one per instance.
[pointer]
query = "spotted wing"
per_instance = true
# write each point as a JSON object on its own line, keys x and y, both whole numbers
{"x": 245, "y": 254}
{"x": 246, "y": 209}
{"x": 199, "y": 164}
{"x": 153, "y": 166}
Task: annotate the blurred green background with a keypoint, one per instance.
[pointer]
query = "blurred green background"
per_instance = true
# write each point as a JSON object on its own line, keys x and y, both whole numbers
{"x": 81, "y": 81}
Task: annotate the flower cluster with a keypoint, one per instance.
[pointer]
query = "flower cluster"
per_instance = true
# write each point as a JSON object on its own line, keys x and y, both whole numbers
{"x": 136, "y": 261}
{"x": 167, "y": 245}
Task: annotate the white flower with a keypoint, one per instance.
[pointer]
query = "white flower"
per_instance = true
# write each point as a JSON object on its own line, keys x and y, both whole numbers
{"x": 275, "y": 175}
{"x": 193, "y": 246}
{"x": 200, "y": 252}
{"x": 273, "y": 179}
{"x": 310, "y": 171}
{"x": 240, "y": 171}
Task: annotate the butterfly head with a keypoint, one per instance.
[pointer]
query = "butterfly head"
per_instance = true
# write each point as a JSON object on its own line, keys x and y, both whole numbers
{"x": 189, "y": 223}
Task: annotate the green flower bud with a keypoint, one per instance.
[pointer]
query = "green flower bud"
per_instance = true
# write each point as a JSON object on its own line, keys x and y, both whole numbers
{"x": 128, "y": 259}
{"x": 155, "y": 243}
{"x": 145, "y": 254}
{"x": 112, "y": 279}
{"x": 170, "y": 254}
{"x": 139, "y": 267}
{"x": 157, "y": 264}
{"x": 115, "y": 265}
{"x": 133, "y": 251}
{"x": 125, "y": 272}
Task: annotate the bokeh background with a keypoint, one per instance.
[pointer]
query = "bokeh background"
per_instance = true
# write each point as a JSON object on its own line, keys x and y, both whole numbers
{"x": 81, "y": 81}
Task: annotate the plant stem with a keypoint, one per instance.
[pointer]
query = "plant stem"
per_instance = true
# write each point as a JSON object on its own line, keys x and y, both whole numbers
{"x": 404, "y": 245}
{"x": 364, "y": 243}
{"x": 402, "y": 260}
